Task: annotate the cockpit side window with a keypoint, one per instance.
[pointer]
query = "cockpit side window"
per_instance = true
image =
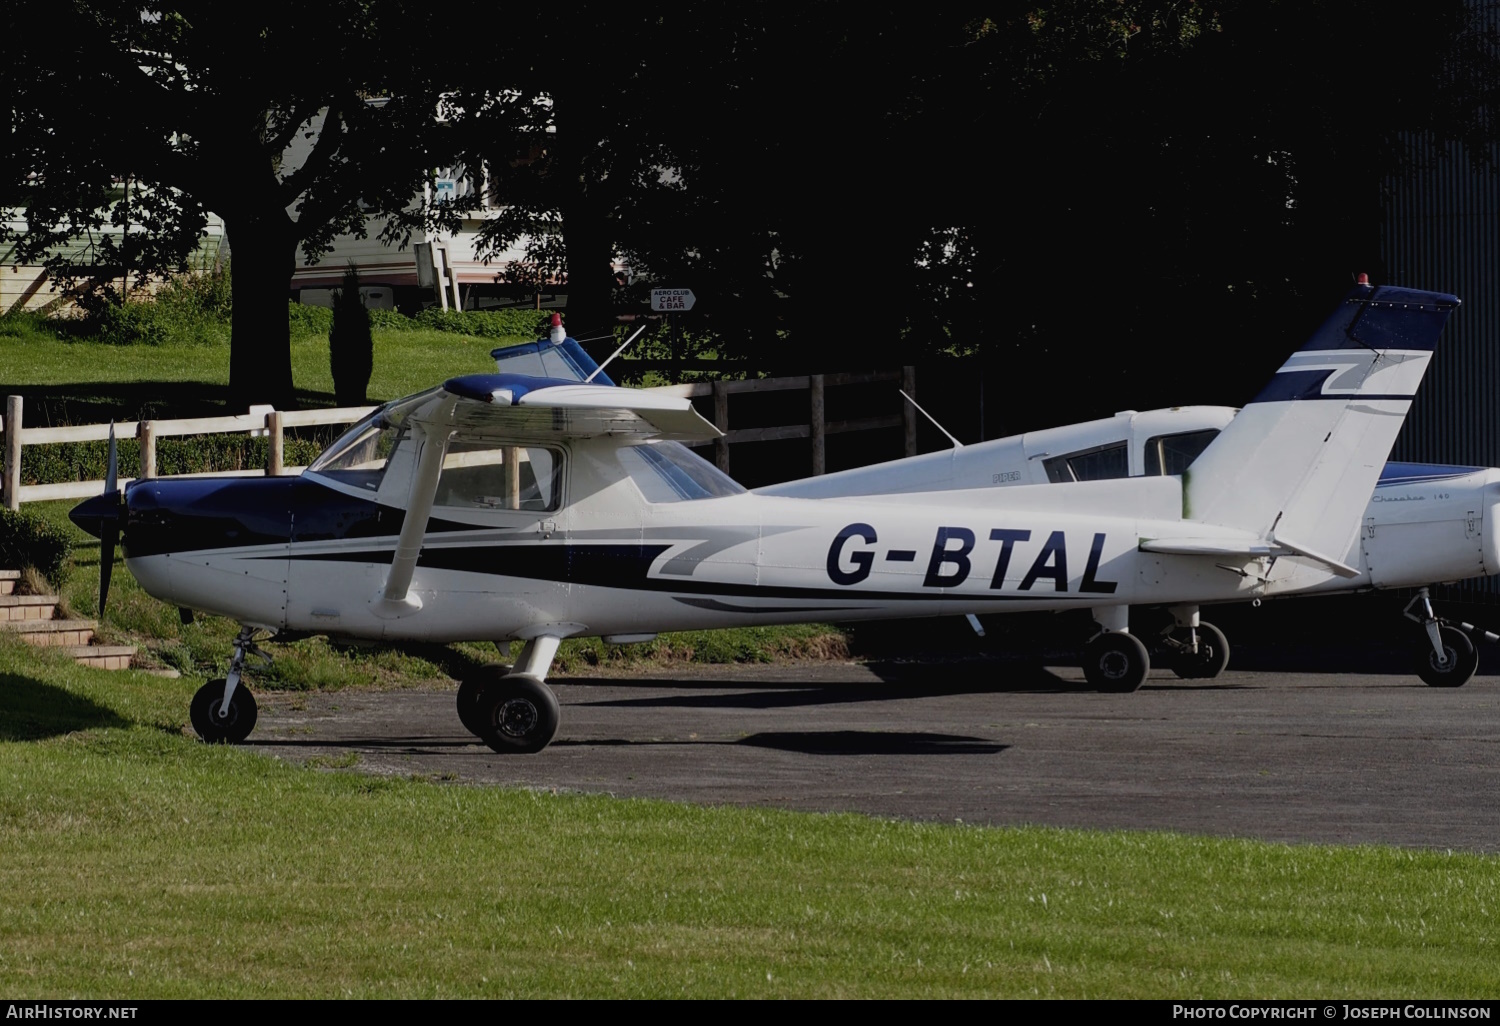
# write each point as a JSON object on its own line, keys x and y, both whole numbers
{"x": 1100, "y": 463}
{"x": 493, "y": 475}
{"x": 1172, "y": 454}
{"x": 362, "y": 455}
{"x": 670, "y": 472}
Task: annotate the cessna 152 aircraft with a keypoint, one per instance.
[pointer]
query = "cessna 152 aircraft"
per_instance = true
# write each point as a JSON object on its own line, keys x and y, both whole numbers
{"x": 1425, "y": 523}
{"x": 520, "y": 507}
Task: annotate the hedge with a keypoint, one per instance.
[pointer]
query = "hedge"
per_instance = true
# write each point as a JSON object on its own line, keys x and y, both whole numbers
{"x": 29, "y": 539}
{"x": 88, "y": 461}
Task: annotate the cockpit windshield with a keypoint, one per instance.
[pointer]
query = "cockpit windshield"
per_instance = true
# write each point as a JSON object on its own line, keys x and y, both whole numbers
{"x": 670, "y": 472}
{"x": 359, "y": 458}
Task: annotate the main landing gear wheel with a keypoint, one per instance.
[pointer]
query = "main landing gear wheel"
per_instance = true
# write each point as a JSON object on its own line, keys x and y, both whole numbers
{"x": 1116, "y": 662}
{"x": 1210, "y": 659}
{"x": 1460, "y": 660}
{"x": 470, "y": 690}
{"x": 212, "y": 723}
{"x": 516, "y": 714}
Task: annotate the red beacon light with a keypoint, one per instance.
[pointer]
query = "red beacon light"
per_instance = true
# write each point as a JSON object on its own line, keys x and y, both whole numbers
{"x": 1359, "y": 279}
{"x": 557, "y": 333}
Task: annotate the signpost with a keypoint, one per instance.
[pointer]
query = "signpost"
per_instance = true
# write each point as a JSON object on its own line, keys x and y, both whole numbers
{"x": 669, "y": 300}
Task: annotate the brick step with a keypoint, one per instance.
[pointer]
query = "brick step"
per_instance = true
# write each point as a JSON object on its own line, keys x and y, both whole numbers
{"x": 27, "y": 607}
{"x": 52, "y": 632}
{"x": 8, "y": 579}
{"x": 105, "y": 657}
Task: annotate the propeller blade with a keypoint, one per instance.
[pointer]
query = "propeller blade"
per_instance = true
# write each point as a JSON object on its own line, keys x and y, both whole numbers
{"x": 111, "y": 475}
{"x": 110, "y": 534}
{"x": 107, "y": 541}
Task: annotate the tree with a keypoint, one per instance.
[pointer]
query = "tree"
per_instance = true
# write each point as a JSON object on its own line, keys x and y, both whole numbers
{"x": 195, "y": 106}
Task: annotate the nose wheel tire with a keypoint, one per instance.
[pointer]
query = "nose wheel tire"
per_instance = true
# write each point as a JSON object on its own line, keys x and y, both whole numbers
{"x": 1454, "y": 671}
{"x": 1210, "y": 659}
{"x": 1116, "y": 662}
{"x": 215, "y": 726}
{"x": 516, "y": 714}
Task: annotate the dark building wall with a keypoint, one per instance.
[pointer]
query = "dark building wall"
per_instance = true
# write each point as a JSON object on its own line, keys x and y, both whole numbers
{"x": 1442, "y": 232}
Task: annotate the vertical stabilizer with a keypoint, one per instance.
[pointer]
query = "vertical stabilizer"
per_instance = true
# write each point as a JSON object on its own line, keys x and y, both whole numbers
{"x": 1298, "y": 465}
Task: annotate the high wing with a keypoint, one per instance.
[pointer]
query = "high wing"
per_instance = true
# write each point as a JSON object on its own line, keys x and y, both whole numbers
{"x": 519, "y": 408}
{"x": 527, "y": 408}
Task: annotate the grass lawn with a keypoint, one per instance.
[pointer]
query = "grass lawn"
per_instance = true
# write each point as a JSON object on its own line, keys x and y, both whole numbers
{"x": 136, "y": 862}
{"x": 83, "y": 382}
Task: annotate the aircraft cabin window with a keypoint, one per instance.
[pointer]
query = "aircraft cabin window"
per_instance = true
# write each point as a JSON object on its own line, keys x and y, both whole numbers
{"x": 1101, "y": 463}
{"x": 670, "y": 472}
{"x": 484, "y": 475}
{"x": 359, "y": 457}
{"x": 1172, "y": 454}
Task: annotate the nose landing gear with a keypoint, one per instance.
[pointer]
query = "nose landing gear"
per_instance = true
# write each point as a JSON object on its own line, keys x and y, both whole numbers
{"x": 224, "y": 710}
{"x": 1448, "y": 659}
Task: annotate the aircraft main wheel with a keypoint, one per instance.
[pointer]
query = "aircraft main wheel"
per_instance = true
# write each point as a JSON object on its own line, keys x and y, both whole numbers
{"x": 1210, "y": 659}
{"x": 1116, "y": 662}
{"x": 1462, "y": 661}
{"x": 517, "y": 714}
{"x": 470, "y": 690}
{"x": 214, "y": 726}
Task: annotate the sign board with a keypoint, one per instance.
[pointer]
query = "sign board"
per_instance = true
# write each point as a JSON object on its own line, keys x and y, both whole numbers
{"x": 444, "y": 189}
{"x": 667, "y": 300}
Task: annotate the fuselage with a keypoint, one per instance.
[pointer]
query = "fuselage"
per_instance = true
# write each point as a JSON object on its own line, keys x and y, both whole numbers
{"x": 310, "y": 553}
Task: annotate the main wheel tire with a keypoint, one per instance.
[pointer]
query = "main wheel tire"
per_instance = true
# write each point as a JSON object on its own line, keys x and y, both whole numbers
{"x": 1116, "y": 662}
{"x": 1462, "y": 661}
{"x": 233, "y": 726}
{"x": 1210, "y": 659}
{"x": 517, "y": 714}
{"x": 470, "y": 690}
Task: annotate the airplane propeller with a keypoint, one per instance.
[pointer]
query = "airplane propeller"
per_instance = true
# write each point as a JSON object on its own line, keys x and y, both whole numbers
{"x": 102, "y": 517}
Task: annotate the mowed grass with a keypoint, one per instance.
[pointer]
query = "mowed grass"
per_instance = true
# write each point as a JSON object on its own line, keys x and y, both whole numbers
{"x": 123, "y": 378}
{"x": 137, "y": 862}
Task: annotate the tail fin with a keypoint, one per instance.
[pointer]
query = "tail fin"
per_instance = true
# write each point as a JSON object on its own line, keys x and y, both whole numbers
{"x": 1297, "y": 466}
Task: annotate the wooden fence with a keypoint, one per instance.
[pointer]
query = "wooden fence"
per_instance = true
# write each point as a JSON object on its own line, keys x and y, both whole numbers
{"x": 275, "y": 422}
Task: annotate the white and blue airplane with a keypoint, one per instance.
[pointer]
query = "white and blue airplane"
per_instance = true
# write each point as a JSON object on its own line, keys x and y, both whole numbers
{"x": 1425, "y": 524}
{"x": 518, "y": 507}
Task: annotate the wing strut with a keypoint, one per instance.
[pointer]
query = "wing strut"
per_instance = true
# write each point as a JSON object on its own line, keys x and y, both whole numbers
{"x": 395, "y": 599}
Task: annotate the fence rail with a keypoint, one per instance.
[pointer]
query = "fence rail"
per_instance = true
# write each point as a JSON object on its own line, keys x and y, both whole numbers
{"x": 273, "y": 424}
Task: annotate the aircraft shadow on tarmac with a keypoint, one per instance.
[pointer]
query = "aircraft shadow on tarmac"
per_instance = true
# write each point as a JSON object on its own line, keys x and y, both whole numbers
{"x": 871, "y": 742}
{"x": 899, "y": 682}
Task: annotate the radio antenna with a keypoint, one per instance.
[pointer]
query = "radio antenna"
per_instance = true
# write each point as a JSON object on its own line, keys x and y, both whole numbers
{"x": 956, "y": 443}
{"x": 634, "y": 335}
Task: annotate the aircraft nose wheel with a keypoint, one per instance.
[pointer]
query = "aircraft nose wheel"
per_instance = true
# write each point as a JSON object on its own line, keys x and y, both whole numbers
{"x": 1116, "y": 662}
{"x": 1460, "y": 660}
{"x": 212, "y": 723}
{"x": 516, "y": 714}
{"x": 1206, "y": 663}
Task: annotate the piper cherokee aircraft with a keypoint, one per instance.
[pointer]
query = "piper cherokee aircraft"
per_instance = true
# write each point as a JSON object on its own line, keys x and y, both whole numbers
{"x": 1425, "y": 523}
{"x": 512, "y": 506}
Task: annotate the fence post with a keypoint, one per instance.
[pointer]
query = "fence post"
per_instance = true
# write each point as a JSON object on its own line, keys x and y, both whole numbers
{"x": 12, "y": 482}
{"x": 908, "y": 411}
{"x": 721, "y": 421}
{"x": 275, "y": 456}
{"x": 818, "y": 428}
{"x": 146, "y": 432}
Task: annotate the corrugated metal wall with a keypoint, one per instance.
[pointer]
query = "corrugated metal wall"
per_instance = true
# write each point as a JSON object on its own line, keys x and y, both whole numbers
{"x": 1442, "y": 232}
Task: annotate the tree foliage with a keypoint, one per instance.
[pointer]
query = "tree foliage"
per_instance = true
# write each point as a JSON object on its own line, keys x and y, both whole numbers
{"x": 155, "y": 117}
{"x": 1052, "y": 186}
